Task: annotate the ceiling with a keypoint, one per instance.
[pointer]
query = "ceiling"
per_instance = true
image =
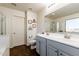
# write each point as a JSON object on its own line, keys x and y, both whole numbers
{"x": 67, "y": 10}
{"x": 24, "y": 6}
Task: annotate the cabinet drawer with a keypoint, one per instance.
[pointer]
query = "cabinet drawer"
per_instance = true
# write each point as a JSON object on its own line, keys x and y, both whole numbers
{"x": 51, "y": 51}
{"x": 62, "y": 53}
{"x": 51, "y": 47}
{"x": 52, "y": 43}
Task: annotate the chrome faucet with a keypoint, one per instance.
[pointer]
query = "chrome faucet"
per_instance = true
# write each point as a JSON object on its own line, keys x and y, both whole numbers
{"x": 66, "y": 35}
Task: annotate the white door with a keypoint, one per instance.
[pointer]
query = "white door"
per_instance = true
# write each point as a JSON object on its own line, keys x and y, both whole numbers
{"x": 17, "y": 31}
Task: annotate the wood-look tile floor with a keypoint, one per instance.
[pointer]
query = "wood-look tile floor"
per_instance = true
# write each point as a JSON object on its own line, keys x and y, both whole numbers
{"x": 22, "y": 50}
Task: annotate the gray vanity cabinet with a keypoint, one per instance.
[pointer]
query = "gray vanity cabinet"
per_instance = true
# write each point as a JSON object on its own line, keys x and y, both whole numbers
{"x": 38, "y": 45}
{"x": 47, "y": 47}
{"x": 51, "y": 51}
{"x": 41, "y": 46}
{"x": 62, "y": 53}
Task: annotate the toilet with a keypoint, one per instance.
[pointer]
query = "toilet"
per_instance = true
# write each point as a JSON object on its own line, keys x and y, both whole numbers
{"x": 33, "y": 44}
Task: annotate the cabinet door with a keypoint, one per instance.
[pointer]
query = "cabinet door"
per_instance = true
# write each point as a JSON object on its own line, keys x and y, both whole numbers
{"x": 37, "y": 45}
{"x": 51, "y": 51}
{"x": 43, "y": 47}
{"x": 61, "y": 53}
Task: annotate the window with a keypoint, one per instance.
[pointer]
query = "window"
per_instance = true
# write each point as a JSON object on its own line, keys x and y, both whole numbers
{"x": 72, "y": 25}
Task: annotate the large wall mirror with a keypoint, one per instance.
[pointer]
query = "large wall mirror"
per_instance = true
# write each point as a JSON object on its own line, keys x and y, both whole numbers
{"x": 2, "y": 24}
{"x": 53, "y": 27}
{"x": 58, "y": 26}
{"x": 70, "y": 25}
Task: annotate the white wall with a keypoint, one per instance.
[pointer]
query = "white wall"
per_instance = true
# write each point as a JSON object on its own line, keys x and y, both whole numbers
{"x": 9, "y": 13}
{"x": 30, "y": 16}
{"x": 40, "y": 21}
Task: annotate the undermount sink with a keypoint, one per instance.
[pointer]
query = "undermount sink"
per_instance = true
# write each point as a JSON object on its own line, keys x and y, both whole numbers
{"x": 57, "y": 36}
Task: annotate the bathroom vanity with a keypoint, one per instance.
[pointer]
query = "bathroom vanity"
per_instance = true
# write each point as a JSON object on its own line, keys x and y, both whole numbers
{"x": 56, "y": 45}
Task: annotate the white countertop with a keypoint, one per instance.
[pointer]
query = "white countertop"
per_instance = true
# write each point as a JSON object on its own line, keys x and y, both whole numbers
{"x": 60, "y": 38}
